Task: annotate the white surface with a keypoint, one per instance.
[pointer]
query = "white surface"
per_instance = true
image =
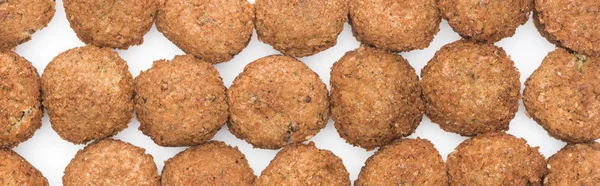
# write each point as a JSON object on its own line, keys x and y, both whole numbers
{"x": 50, "y": 154}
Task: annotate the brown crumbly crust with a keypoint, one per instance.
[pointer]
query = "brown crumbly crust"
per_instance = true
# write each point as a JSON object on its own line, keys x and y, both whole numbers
{"x": 20, "y": 100}
{"x": 19, "y": 19}
{"x": 181, "y": 102}
{"x": 300, "y": 28}
{"x": 211, "y": 163}
{"x": 212, "y": 30}
{"x": 300, "y": 164}
{"x": 486, "y": 20}
{"x": 16, "y": 171}
{"x": 496, "y": 159}
{"x": 111, "y": 162}
{"x": 276, "y": 101}
{"x": 471, "y": 88}
{"x": 395, "y": 25}
{"x": 375, "y": 97}
{"x": 88, "y": 92}
{"x": 575, "y": 164}
{"x": 562, "y": 96}
{"x": 406, "y": 162}
{"x": 570, "y": 23}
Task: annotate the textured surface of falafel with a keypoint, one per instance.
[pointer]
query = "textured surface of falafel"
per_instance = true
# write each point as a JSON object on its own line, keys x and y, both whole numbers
{"x": 16, "y": 171}
{"x": 575, "y": 164}
{"x": 19, "y": 19}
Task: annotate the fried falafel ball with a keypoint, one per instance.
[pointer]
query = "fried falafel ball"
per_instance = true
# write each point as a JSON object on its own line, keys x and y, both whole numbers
{"x": 20, "y": 100}
{"x": 395, "y": 25}
{"x": 16, "y": 171}
{"x": 111, "y": 162}
{"x": 573, "y": 24}
{"x": 19, "y": 19}
{"x": 275, "y": 101}
{"x": 375, "y": 97}
{"x": 575, "y": 164}
{"x": 181, "y": 102}
{"x": 212, "y": 30}
{"x": 211, "y": 163}
{"x": 300, "y": 164}
{"x": 406, "y": 162}
{"x": 88, "y": 92}
{"x": 471, "y": 88}
{"x": 300, "y": 28}
{"x": 486, "y": 20}
{"x": 496, "y": 159}
{"x": 562, "y": 96}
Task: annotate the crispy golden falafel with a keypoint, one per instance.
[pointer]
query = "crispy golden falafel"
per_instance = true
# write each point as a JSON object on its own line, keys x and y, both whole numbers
{"x": 496, "y": 159}
{"x": 20, "y": 100}
{"x": 16, "y": 171}
{"x": 19, "y": 19}
{"x": 111, "y": 162}
{"x": 486, "y": 20}
{"x": 575, "y": 164}
{"x": 276, "y": 101}
{"x": 562, "y": 96}
{"x": 211, "y": 163}
{"x": 300, "y": 164}
{"x": 471, "y": 88}
{"x": 375, "y": 97}
{"x": 88, "y": 92}
{"x": 181, "y": 102}
{"x": 406, "y": 162}
{"x": 300, "y": 28}
{"x": 212, "y": 30}
{"x": 395, "y": 25}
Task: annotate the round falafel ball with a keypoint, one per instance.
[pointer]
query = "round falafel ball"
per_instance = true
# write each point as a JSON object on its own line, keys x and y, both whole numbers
{"x": 111, "y": 23}
{"x": 570, "y": 23}
{"x": 486, "y": 20}
{"x": 111, "y": 162}
{"x": 212, "y": 30}
{"x": 20, "y": 100}
{"x": 181, "y": 102}
{"x": 375, "y": 97}
{"x": 300, "y": 28}
{"x": 471, "y": 88}
{"x": 395, "y": 25}
{"x": 211, "y": 163}
{"x": 561, "y": 95}
{"x": 16, "y": 171}
{"x": 275, "y": 101}
{"x": 20, "y": 19}
{"x": 300, "y": 164}
{"x": 88, "y": 93}
{"x": 406, "y": 162}
{"x": 496, "y": 159}
{"x": 575, "y": 164}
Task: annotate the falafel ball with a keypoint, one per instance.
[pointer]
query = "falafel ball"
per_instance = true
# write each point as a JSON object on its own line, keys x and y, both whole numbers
{"x": 212, "y": 30}
{"x": 211, "y": 163}
{"x": 88, "y": 93}
{"x": 111, "y": 23}
{"x": 496, "y": 159}
{"x": 570, "y": 23}
{"x": 20, "y": 100}
{"x": 575, "y": 164}
{"x": 181, "y": 102}
{"x": 300, "y": 164}
{"x": 471, "y": 88}
{"x": 16, "y": 171}
{"x": 406, "y": 162}
{"x": 485, "y": 20}
{"x": 111, "y": 162}
{"x": 562, "y": 96}
{"x": 275, "y": 101}
{"x": 375, "y": 97}
{"x": 395, "y": 25}
{"x": 20, "y": 19}
{"x": 300, "y": 28}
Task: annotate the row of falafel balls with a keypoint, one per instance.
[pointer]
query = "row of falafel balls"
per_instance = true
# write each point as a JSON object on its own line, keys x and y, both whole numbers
{"x": 470, "y": 87}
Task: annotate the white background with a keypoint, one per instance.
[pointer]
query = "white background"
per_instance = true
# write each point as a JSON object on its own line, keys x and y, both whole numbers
{"x": 50, "y": 154}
